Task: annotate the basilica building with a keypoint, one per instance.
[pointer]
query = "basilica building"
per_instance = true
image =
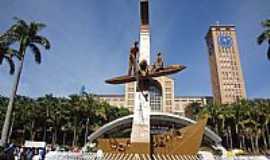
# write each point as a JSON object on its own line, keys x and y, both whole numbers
{"x": 162, "y": 97}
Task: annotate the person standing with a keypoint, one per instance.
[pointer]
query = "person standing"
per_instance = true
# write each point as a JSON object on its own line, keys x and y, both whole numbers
{"x": 99, "y": 155}
{"x": 133, "y": 58}
{"x": 10, "y": 151}
{"x": 159, "y": 64}
{"x": 29, "y": 154}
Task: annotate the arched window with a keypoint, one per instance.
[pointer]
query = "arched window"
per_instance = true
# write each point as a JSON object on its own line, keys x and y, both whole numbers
{"x": 155, "y": 92}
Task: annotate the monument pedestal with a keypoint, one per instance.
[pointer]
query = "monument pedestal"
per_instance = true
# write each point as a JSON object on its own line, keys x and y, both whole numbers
{"x": 184, "y": 141}
{"x": 140, "y": 133}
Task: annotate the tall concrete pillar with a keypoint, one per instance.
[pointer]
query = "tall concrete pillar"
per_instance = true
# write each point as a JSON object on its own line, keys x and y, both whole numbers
{"x": 140, "y": 134}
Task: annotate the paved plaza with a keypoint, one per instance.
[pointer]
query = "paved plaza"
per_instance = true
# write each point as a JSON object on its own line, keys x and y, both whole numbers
{"x": 93, "y": 156}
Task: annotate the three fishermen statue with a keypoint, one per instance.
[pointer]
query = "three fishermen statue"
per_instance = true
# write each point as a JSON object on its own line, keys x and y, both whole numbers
{"x": 144, "y": 68}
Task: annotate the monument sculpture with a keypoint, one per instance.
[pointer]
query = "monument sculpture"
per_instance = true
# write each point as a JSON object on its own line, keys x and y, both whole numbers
{"x": 184, "y": 141}
{"x": 133, "y": 58}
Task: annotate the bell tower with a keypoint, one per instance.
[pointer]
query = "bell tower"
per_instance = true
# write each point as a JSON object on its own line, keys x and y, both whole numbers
{"x": 228, "y": 85}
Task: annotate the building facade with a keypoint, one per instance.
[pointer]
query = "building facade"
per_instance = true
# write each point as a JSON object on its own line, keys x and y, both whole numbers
{"x": 228, "y": 84}
{"x": 161, "y": 95}
{"x": 181, "y": 102}
{"x": 162, "y": 98}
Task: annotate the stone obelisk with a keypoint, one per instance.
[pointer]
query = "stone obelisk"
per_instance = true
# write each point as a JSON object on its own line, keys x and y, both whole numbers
{"x": 140, "y": 134}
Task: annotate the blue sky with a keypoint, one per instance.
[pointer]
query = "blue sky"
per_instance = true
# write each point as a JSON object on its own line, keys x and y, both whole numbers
{"x": 91, "y": 39}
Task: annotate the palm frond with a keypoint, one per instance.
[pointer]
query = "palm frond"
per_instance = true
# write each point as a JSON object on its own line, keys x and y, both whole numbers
{"x": 42, "y": 41}
{"x": 1, "y": 56}
{"x": 1, "y": 59}
{"x": 21, "y": 22}
{"x": 11, "y": 51}
{"x": 19, "y": 28}
{"x": 11, "y": 65}
{"x": 261, "y": 38}
{"x": 267, "y": 32}
{"x": 268, "y": 53}
{"x": 266, "y": 23}
{"x": 36, "y": 53}
{"x": 7, "y": 39}
{"x": 36, "y": 27}
{"x": 6, "y": 52}
{"x": 14, "y": 53}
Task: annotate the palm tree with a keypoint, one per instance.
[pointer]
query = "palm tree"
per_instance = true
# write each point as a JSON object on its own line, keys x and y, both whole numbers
{"x": 265, "y": 36}
{"x": 27, "y": 37}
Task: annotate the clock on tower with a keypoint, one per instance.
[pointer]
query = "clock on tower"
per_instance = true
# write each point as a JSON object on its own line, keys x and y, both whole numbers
{"x": 225, "y": 41}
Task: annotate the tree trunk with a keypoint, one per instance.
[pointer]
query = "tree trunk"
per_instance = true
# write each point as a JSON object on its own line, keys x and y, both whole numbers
{"x": 240, "y": 142}
{"x": 238, "y": 135}
{"x": 45, "y": 127}
{"x": 64, "y": 138}
{"x": 257, "y": 143}
{"x": 74, "y": 143}
{"x": 5, "y": 129}
{"x": 264, "y": 140}
{"x": 32, "y": 130}
{"x": 216, "y": 128}
{"x": 44, "y": 133}
{"x": 230, "y": 137}
{"x": 11, "y": 128}
{"x": 252, "y": 144}
{"x": 227, "y": 139}
{"x": 55, "y": 136}
{"x": 24, "y": 133}
{"x": 267, "y": 134}
{"x": 244, "y": 142}
{"x": 86, "y": 131}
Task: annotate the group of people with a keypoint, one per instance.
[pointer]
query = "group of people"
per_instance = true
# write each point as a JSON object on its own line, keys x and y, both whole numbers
{"x": 144, "y": 68}
{"x": 20, "y": 153}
